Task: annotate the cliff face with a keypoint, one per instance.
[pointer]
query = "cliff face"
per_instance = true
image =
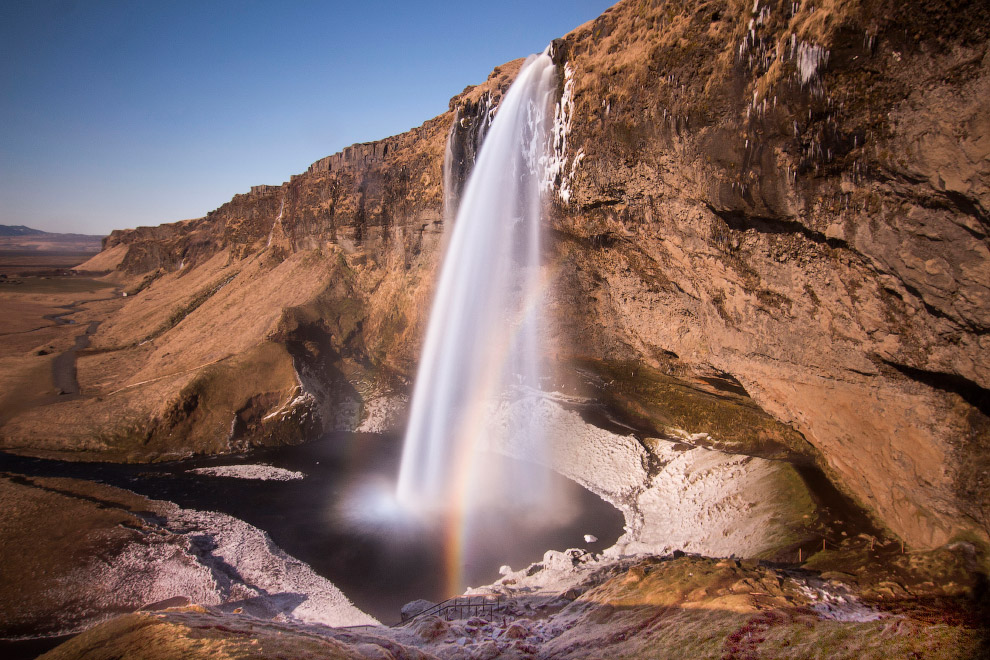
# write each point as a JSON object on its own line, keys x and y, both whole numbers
{"x": 798, "y": 197}
{"x": 770, "y": 227}
{"x": 286, "y": 312}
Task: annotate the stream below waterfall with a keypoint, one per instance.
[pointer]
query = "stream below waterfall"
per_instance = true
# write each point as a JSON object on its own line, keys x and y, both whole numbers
{"x": 330, "y": 518}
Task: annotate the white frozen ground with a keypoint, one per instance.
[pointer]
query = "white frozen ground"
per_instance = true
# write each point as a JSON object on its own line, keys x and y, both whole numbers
{"x": 382, "y": 413}
{"x": 833, "y": 601}
{"x": 205, "y": 558}
{"x": 261, "y": 472}
{"x": 696, "y": 500}
{"x": 249, "y": 571}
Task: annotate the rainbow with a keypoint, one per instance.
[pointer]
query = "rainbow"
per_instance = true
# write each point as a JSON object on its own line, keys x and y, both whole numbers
{"x": 472, "y": 435}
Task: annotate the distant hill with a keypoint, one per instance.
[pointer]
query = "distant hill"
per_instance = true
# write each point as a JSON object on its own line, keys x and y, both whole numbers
{"x": 18, "y": 238}
{"x": 19, "y": 230}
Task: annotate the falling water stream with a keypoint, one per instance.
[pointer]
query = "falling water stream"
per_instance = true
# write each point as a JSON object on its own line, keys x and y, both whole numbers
{"x": 483, "y": 338}
{"x": 483, "y": 349}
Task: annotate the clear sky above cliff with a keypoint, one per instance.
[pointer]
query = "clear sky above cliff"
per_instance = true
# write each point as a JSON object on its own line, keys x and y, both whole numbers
{"x": 121, "y": 113}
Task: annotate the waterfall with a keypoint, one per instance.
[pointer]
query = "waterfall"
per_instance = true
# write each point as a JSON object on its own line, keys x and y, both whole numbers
{"x": 278, "y": 219}
{"x": 483, "y": 341}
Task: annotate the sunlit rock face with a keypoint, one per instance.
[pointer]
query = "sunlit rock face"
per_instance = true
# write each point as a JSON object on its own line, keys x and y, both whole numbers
{"x": 288, "y": 311}
{"x": 797, "y": 198}
{"x": 794, "y": 200}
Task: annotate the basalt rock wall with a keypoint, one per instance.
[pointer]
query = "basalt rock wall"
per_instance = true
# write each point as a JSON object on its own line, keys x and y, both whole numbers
{"x": 793, "y": 198}
{"x": 796, "y": 194}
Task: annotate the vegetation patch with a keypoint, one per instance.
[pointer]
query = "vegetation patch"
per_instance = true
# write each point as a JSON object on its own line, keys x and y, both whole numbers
{"x": 664, "y": 404}
{"x": 180, "y": 313}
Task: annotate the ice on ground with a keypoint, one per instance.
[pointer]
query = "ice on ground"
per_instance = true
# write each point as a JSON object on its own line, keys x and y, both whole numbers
{"x": 253, "y": 573}
{"x": 697, "y": 500}
{"x": 383, "y": 413}
{"x": 835, "y": 602}
{"x": 158, "y": 567}
{"x": 704, "y": 501}
{"x": 547, "y": 579}
{"x": 206, "y": 558}
{"x": 260, "y": 472}
{"x": 609, "y": 465}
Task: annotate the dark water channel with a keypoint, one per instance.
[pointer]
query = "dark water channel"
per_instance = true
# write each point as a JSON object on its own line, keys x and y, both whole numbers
{"x": 329, "y": 519}
{"x": 64, "y": 364}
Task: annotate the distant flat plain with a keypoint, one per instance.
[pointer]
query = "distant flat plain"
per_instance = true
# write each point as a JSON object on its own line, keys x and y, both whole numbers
{"x": 36, "y": 286}
{"x": 38, "y": 253}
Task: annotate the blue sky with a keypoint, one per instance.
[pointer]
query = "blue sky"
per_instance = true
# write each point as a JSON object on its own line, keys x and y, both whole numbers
{"x": 122, "y": 113}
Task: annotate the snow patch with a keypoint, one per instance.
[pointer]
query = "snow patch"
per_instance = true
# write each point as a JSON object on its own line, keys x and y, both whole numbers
{"x": 287, "y": 408}
{"x": 687, "y": 436}
{"x": 383, "y": 413}
{"x": 556, "y": 173}
{"x": 703, "y": 501}
{"x": 260, "y": 472}
{"x": 835, "y": 602}
{"x": 698, "y": 500}
{"x": 253, "y": 573}
{"x": 208, "y": 558}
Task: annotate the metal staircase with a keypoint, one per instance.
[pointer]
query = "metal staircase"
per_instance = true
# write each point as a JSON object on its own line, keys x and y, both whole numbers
{"x": 461, "y": 607}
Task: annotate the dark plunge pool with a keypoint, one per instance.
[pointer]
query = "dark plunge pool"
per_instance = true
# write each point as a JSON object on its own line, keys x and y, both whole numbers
{"x": 328, "y": 519}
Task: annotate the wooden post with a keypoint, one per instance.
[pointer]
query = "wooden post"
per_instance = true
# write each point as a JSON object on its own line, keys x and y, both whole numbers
{"x": 799, "y": 555}
{"x": 823, "y": 544}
